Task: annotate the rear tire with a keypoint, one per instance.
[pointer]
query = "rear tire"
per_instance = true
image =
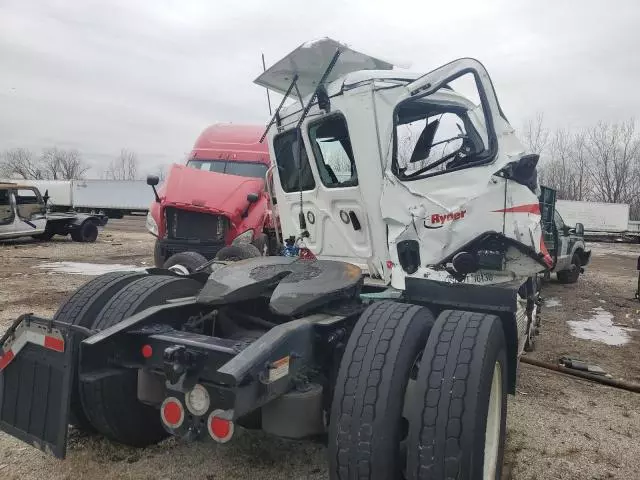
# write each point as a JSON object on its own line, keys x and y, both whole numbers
{"x": 184, "y": 263}
{"x": 460, "y": 400}
{"x": 111, "y": 403}
{"x": 571, "y": 276}
{"x": 81, "y": 308}
{"x": 234, "y": 253}
{"x": 367, "y": 424}
{"x": 87, "y": 232}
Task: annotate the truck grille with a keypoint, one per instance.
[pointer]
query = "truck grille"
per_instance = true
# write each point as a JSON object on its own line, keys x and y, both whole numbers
{"x": 186, "y": 225}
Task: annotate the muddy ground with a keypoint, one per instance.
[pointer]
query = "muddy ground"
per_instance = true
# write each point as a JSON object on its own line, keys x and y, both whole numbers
{"x": 558, "y": 427}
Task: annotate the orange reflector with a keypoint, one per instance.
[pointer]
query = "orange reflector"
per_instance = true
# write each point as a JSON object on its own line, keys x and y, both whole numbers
{"x": 220, "y": 429}
{"x": 172, "y": 412}
{"x": 53, "y": 343}
{"x": 147, "y": 351}
{"x": 6, "y": 359}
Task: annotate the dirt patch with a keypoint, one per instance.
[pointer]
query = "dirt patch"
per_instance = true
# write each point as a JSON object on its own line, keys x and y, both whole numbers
{"x": 558, "y": 427}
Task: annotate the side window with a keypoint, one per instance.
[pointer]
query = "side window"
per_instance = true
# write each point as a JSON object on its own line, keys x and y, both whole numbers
{"x": 559, "y": 222}
{"x": 332, "y": 149}
{"x": 6, "y": 212}
{"x": 434, "y": 142}
{"x": 443, "y": 131}
{"x": 294, "y": 175}
{"x": 28, "y": 204}
{"x": 26, "y": 197}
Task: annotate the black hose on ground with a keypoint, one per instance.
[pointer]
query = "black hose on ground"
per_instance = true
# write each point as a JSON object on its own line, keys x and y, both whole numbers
{"x": 629, "y": 386}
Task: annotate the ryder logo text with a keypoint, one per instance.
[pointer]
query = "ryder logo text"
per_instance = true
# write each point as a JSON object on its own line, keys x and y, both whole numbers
{"x": 439, "y": 220}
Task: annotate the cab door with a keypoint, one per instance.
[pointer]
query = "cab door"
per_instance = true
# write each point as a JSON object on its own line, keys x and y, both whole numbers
{"x": 319, "y": 178}
{"x": 30, "y": 211}
{"x": 563, "y": 253}
{"x": 7, "y": 213}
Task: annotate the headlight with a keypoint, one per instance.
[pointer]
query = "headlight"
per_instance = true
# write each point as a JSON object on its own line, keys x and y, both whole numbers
{"x": 244, "y": 237}
{"x": 151, "y": 225}
{"x": 197, "y": 400}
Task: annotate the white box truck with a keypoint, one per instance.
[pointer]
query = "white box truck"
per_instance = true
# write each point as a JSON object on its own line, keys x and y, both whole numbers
{"x": 599, "y": 219}
{"x": 114, "y": 198}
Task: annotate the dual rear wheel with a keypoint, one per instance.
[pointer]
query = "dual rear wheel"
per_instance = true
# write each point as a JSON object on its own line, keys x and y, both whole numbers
{"x": 110, "y": 404}
{"x": 418, "y": 398}
{"x": 415, "y": 397}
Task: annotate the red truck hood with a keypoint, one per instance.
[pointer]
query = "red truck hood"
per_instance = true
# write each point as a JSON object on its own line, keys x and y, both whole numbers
{"x": 217, "y": 192}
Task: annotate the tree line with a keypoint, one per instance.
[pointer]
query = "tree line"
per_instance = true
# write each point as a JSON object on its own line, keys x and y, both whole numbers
{"x": 600, "y": 163}
{"x": 63, "y": 164}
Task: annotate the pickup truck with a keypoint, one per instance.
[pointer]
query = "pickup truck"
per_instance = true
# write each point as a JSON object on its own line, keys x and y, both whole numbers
{"x": 564, "y": 243}
{"x": 23, "y": 213}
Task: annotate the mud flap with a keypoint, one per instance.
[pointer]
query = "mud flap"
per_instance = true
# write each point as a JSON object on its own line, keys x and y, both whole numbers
{"x": 36, "y": 372}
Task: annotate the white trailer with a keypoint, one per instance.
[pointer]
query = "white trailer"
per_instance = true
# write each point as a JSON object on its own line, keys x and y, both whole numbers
{"x": 112, "y": 197}
{"x": 599, "y": 219}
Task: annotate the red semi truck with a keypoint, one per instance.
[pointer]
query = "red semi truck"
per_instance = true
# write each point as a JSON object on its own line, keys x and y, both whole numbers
{"x": 215, "y": 206}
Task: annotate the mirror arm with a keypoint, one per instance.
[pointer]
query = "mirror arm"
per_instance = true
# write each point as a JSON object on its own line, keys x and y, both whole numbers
{"x": 155, "y": 192}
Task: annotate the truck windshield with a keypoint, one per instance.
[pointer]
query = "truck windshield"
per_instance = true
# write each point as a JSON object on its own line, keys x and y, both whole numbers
{"x": 242, "y": 169}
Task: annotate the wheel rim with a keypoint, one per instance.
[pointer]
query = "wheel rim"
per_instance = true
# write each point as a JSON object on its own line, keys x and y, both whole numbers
{"x": 179, "y": 269}
{"x": 494, "y": 421}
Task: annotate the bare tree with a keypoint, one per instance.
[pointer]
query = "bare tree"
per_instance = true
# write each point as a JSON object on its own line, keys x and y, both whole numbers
{"x": 535, "y": 135}
{"x": 581, "y": 184}
{"x": 20, "y": 162}
{"x": 566, "y": 167}
{"x": 124, "y": 167}
{"x": 161, "y": 171}
{"x": 63, "y": 164}
{"x": 614, "y": 150}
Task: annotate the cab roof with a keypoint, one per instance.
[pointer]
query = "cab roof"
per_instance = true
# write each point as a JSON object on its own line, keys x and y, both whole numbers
{"x": 231, "y": 141}
{"x": 4, "y": 185}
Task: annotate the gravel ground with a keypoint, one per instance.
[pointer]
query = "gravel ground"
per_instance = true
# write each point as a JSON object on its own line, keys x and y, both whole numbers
{"x": 558, "y": 427}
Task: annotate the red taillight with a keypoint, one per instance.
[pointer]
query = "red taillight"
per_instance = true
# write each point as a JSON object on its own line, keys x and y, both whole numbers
{"x": 389, "y": 264}
{"x": 172, "y": 412}
{"x": 147, "y": 351}
{"x": 220, "y": 429}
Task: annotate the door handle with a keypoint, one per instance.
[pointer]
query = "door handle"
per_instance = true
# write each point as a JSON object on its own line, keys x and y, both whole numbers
{"x": 355, "y": 223}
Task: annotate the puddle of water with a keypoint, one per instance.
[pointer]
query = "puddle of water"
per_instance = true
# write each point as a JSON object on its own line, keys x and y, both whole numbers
{"x": 91, "y": 269}
{"x": 600, "y": 328}
{"x": 552, "y": 302}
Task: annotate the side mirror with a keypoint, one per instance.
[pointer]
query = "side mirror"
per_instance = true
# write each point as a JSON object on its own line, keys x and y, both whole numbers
{"x": 152, "y": 181}
{"x": 251, "y": 198}
{"x": 579, "y": 229}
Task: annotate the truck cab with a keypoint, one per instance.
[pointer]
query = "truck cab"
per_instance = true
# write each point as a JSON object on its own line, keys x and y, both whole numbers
{"x": 564, "y": 243}
{"x": 23, "y": 213}
{"x": 218, "y": 198}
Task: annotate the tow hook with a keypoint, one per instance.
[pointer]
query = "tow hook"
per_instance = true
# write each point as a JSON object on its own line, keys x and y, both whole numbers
{"x": 178, "y": 361}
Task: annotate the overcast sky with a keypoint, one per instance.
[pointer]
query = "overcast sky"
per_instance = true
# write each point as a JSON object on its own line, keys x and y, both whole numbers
{"x": 148, "y": 75}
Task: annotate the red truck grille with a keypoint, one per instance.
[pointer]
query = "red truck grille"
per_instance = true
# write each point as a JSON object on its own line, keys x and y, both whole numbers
{"x": 187, "y": 225}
